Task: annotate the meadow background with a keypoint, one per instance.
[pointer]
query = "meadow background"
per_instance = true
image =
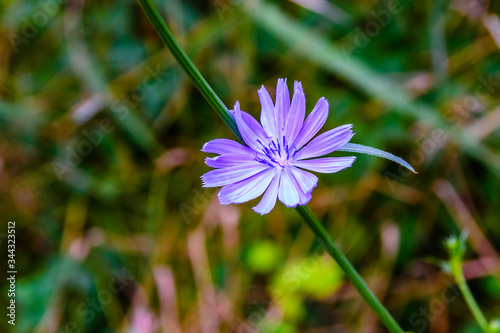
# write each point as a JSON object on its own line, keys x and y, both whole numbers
{"x": 100, "y": 165}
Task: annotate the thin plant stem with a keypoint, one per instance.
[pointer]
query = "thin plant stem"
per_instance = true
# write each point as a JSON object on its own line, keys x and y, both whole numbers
{"x": 216, "y": 103}
{"x": 457, "y": 272}
{"x": 357, "y": 281}
{"x": 187, "y": 65}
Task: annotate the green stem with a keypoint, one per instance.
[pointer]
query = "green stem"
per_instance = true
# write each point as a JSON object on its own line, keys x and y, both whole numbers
{"x": 327, "y": 242}
{"x": 219, "y": 107}
{"x": 187, "y": 65}
{"x": 457, "y": 272}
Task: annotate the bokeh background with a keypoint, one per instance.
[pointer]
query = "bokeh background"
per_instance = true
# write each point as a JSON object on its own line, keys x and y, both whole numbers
{"x": 100, "y": 165}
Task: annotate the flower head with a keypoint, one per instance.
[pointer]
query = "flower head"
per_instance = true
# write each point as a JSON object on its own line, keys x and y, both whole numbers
{"x": 278, "y": 152}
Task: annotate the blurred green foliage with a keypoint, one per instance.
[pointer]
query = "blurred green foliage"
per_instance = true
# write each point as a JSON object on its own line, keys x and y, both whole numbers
{"x": 100, "y": 165}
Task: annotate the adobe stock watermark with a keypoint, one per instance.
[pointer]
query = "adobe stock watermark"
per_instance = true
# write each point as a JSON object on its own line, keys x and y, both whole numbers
{"x": 92, "y": 306}
{"x": 457, "y": 114}
{"x": 45, "y": 10}
{"x": 291, "y": 281}
{"x": 223, "y": 7}
{"x": 361, "y": 36}
{"x": 197, "y": 203}
{"x": 11, "y": 272}
{"x": 75, "y": 153}
{"x": 420, "y": 319}
{"x": 199, "y": 199}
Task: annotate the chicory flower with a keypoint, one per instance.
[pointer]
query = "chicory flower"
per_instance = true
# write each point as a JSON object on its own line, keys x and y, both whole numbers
{"x": 278, "y": 154}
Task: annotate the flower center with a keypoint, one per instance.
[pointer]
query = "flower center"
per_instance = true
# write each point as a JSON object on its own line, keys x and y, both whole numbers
{"x": 277, "y": 153}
